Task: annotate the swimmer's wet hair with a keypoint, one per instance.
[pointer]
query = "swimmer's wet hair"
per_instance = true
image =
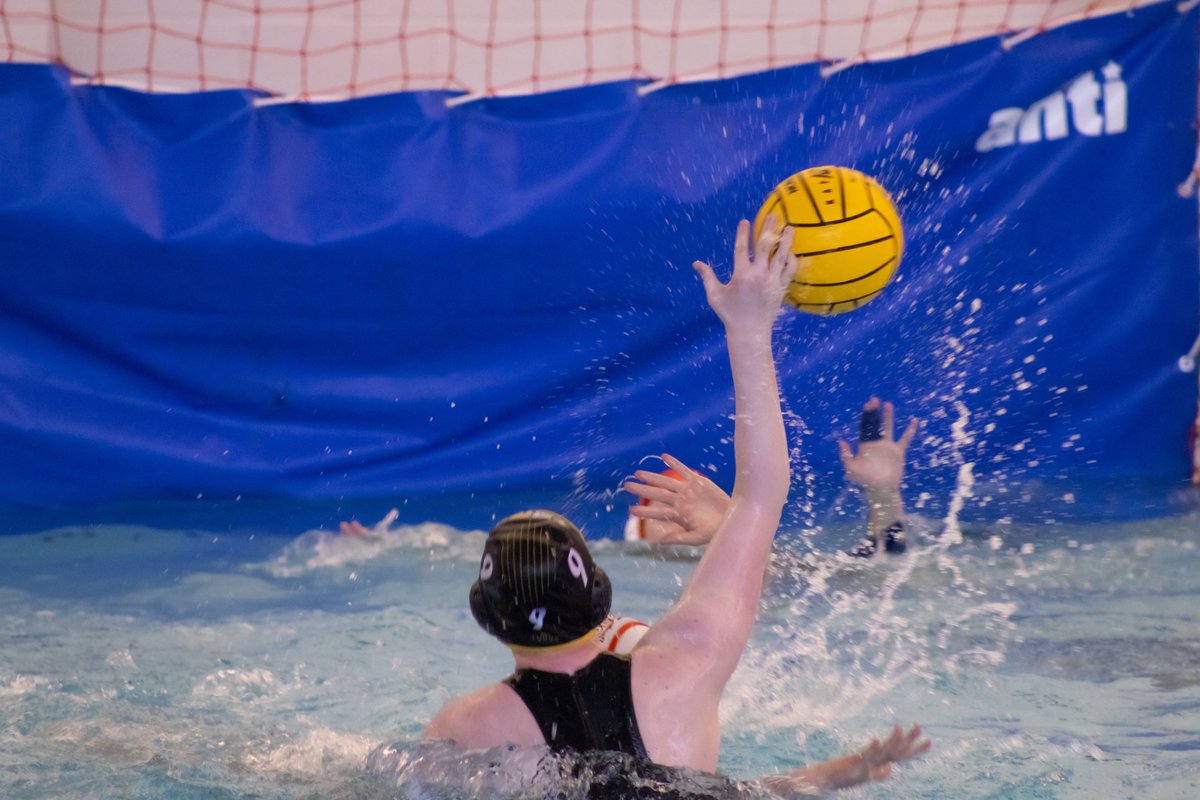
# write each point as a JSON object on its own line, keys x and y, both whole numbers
{"x": 538, "y": 585}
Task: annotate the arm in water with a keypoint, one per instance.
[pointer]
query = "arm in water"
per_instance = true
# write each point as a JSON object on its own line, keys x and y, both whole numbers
{"x": 431, "y": 768}
{"x": 872, "y": 763}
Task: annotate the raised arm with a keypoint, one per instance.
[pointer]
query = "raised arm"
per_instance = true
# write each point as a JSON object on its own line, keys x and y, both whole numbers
{"x": 878, "y": 467}
{"x": 709, "y": 625}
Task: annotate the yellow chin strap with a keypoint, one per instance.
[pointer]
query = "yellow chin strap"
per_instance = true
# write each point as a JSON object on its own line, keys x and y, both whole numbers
{"x": 520, "y": 648}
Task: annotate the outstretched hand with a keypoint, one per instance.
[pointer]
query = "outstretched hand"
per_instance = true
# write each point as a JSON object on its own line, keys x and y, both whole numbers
{"x": 872, "y": 763}
{"x": 901, "y": 745}
{"x": 879, "y": 464}
{"x": 755, "y": 292}
{"x": 687, "y": 509}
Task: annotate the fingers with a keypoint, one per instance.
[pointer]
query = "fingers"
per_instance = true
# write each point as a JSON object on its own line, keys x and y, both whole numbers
{"x": 652, "y": 493}
{"x": 873, "y": 756}
{"x": 768, "y": 239}
{"x": 783, "y": 261}
{"x": 917, "y": 748}
{"x": 845, "y": 452}
{"x": 658, "y": 511}
{"x": 675, "y": 464}
{"x": 711, "y": 284}
{"x": 888, "y": 422}
{"x": 902, "y": 745}
{"x": 741, "y": 245}
{"x": 657, "y": 479}
{"x": 774, "y": 249}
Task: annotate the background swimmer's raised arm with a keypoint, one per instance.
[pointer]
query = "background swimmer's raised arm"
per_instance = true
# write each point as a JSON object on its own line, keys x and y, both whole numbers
{"x": 878, "y": 467}
{"x": 681, "y": 666}
{"x": 682, "y": 506}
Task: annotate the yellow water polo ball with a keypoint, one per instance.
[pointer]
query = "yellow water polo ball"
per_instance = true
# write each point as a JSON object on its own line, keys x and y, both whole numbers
{"x": 847, "y": 233}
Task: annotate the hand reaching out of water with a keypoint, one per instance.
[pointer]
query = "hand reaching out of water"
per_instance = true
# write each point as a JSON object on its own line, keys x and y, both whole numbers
{"x": 684, "y": 510}
{"x": 879, "y": 463}
{"x": 355, "y": 528}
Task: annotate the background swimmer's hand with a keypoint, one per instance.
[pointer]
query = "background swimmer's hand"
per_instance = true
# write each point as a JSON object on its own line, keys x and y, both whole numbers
{"x": 879, "y": 464}
{"x": 754, "y": 295}
{"x": 683, "y": 510}
{"x": 355, "y": 528}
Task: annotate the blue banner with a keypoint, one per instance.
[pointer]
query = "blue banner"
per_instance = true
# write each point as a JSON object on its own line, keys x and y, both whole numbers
{"x": 389, "y": 300}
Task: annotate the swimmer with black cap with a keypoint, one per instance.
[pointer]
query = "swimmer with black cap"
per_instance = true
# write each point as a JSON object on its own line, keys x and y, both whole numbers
{"x": 538, "y": 585}
{"x": 540, "y": 593}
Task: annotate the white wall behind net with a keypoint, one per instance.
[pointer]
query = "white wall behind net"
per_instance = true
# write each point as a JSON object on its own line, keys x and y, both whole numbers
{"x": 330, "y": 49}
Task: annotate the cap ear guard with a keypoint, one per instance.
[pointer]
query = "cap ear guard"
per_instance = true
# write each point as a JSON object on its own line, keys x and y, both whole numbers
{"x": 601, "y": 596}
{"x": 480, "y": 609}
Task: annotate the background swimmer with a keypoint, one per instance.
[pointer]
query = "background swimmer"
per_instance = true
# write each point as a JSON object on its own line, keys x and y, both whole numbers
{"x": 878, "y": 467}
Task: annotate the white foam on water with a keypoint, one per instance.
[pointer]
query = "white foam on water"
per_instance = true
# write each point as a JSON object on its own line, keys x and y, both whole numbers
{"x": 240, "y": 684}
{"x": 116, "y": 743}
{"x": 319, "y": 549}
{"x": 20, "y": 685}
{"x": 315, "y": 751}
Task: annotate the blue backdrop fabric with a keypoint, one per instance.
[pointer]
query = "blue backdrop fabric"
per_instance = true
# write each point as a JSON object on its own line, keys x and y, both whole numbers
{"x": 391, "y": 298}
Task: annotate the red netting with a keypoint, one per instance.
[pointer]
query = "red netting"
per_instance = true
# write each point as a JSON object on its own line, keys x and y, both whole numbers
{"x": 316, "y": 49}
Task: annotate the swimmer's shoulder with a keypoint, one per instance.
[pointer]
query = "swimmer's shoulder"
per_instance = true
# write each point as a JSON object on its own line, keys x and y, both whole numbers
{"x": 488, "y": 717}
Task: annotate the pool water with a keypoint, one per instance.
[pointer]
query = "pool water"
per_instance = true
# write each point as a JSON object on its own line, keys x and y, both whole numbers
{"x": 1044, "y": 663}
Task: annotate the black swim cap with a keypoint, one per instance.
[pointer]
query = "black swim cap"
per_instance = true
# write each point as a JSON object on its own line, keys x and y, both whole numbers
{"x": 538, "y": 585}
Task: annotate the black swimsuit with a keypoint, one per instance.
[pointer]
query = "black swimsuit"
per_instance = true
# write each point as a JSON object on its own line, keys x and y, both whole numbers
{"x": 591, "y": 709}
{"x": 894, "y": 542}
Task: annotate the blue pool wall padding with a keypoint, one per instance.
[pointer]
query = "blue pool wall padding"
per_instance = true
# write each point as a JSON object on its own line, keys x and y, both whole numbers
{"x": 391, "y": 299}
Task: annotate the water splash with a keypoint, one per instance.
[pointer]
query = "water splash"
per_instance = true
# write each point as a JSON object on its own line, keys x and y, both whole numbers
{"x": 441, "y": 770}
{"x": 319, "y": 549}
{"x": 964, "y": 485}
